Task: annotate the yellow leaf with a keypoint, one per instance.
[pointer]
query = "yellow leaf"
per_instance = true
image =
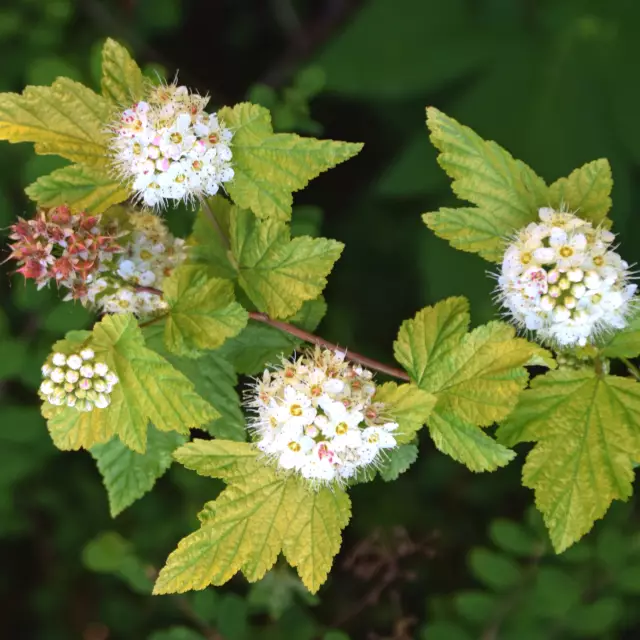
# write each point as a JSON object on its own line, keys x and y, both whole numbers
{"x": 122, "y": 80}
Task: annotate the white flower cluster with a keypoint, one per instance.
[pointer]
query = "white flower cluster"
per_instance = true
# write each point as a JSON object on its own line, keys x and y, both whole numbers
{"x": 170, "y": 148}
{"x": 561, "y": 278}
{"x": 75, "y": 381}
{"x": 150, "y": 255}
{"x": 316, "y": 416}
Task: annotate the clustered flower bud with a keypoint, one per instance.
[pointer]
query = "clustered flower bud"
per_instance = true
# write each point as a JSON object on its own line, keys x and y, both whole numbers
{"x": 561, "y": 279}
{"x": 64, "y": 247}
{"x": 76, "y": 381}
{"x": 316, "y": 416}
{"x": 79, "y": 252}
{"x": 170, "y": 148}
{"x": 149, "y": 257}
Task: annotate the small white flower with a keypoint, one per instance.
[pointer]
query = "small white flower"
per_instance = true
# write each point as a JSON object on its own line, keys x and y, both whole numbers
{"x": 100, "y": 369}
{"x": 59, "y": 359}
{"x": 87, "y": 354}
{"x": 58, "y": 375}
{"x": 74, "y": 361}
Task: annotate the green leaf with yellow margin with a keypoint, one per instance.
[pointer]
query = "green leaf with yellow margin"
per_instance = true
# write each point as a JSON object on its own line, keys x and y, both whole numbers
{"x": 67, "y": 119}
{"x": 586, "y": 192}
{"x": 128, "y": 475}
{"x": 587, "y": 433}
{"x": 81, "y": 187}
{"x": 476, "y": 378}
{"x": 269, "y": 166}
{"x": 277, "y": 273}
{"x": 149, "y": 389}
{"x": 122, "y": 81}
{"x": 203, "y": 311}
{"x": 258, "y": 515}
{"x": 407, "y": 405}
{"x": 506, "y": 192}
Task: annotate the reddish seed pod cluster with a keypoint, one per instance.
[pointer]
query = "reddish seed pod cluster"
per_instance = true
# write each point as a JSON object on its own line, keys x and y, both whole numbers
{"x": 64, "y": 246}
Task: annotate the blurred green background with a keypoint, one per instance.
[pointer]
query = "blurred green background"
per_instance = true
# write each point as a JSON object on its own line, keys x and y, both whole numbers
{"x": 442, "y": 554}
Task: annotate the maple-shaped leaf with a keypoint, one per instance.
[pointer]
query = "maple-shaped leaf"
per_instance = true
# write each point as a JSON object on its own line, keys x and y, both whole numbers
{"x": 79, "y": 186}
{"x": 269, "y": 166}
{"x": 149, "y": 389}
{"x": 203, "y": 311}
{"x": 476, "y": 377}
{"x": 277, "y": 273}
{"x": 624, "y": 343}
{"x": 129, "y": 475}
{"x": 506, "y": 192}
{"x": 122, "y": 81}
{"x": 587, "y": 433}
{"x": 67, "y": 119}
{"x": 258, "y": 515}
{"x": 586, "y": 192}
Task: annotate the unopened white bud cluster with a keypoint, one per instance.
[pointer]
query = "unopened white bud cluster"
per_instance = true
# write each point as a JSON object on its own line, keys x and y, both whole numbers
{"x": 315, "y": 415}
{"x": 561, "y": 278}
{"x": 170, "y": 148}
{"x": 150, "y": 255}
{"x": 76, "y": 381}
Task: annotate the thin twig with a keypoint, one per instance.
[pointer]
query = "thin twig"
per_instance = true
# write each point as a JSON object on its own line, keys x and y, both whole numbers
{"x": 633, "y": 370}
{"x": 307, "y": 337}
{"x": 321, "y": 342}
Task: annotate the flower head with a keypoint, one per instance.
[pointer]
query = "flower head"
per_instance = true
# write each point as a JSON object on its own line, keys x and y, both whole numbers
{"x": 315, "y": 416}
{"x": 561, "y": 278}
{"x": 75, "y": 380}
{"x": 169, "y": 148}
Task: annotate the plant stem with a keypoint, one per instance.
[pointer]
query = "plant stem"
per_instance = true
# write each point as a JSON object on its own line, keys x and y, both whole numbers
{"x": 633, "y": 370}
{"x": 321, "y": 342}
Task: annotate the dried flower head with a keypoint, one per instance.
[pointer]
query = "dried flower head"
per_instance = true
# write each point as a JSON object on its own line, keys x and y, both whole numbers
{"x": 561, "y": 278}
{"x": 315, "y": 415}
{"x": 169, "y": 148}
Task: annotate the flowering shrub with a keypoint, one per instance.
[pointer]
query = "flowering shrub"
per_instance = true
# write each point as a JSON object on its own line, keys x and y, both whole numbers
{"x": 180, "y": 318}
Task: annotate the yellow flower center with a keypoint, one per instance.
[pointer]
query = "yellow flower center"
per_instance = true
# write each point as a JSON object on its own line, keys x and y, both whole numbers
{"x": 525, "y": 258}
{"x": 342, "y": 428}
{"x": 180, "y": 179}
{"x": 273, "y": 422}
{"x": 598, "y": 261}
{"x": 566, "y": 252}
{"x": 373, "y": 438}
{"x": 295, "y": 410}
{"x": 137, "y": 148}
{"x": 175, "y": 137}
{"x": 197, "y": 165}
{"x": 294, "y": 446}
{"x": 146, "y": 255}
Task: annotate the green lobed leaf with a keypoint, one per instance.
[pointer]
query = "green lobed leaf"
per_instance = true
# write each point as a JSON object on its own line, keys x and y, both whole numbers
{"x": 270, "y": 167}
{"x": 214, "y": 379}
{"x": 259, "y": 514}
{"x": 476, "y": 377}
{"x": 277, "y": 273}
{"x": 67, "y": 119}
{"x": 586, "y": 429}
{"x": 203, "y": 311}
{"x": 82, "y": 187}
{"x": 407, "y": 405}
{"x": 122, "y": 80}
{"x": 128, "y": 475}
{"x": 398, "y": 461}
{"x": 586, "y": 192}
{"x": 149, "y": 389}
{"x": 506, "y": 192}
{"x": 625, "y": 343}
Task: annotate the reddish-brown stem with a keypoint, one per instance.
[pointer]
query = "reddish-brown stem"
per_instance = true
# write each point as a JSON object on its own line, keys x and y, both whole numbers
{"x": 307, "y": 337}
{"x": 321, "y": 342}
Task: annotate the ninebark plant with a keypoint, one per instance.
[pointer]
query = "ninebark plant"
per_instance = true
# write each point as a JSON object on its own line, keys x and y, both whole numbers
{"x": 182, "y": 318}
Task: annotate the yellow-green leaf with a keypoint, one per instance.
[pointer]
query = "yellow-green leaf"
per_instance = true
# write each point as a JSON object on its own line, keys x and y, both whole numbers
{"x": 258, "y": 515}
{"x": 277, "y": 273}
{"x": 270, "y": 167}
{"x": 587, "y": 433}
{"x": 203, "y": 311}
{"x": 586, "y": 192}
{"x": 625, "y": 343}
{"x": 506, "y": 192}
{"x": 67, "y": 119}
{"x": 122, "y": 81}
{"x": 86, "y": 188}
{"x": 407, "y": 405}
{"x": 71, "y": 430}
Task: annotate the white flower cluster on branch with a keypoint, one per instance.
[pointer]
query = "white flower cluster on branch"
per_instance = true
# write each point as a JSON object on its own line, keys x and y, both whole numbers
{"x": 169, "y": 148}
{"x": 76, "y": 381}
{"x": 316, "y": 416}
{"x": 562, "y": 279}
